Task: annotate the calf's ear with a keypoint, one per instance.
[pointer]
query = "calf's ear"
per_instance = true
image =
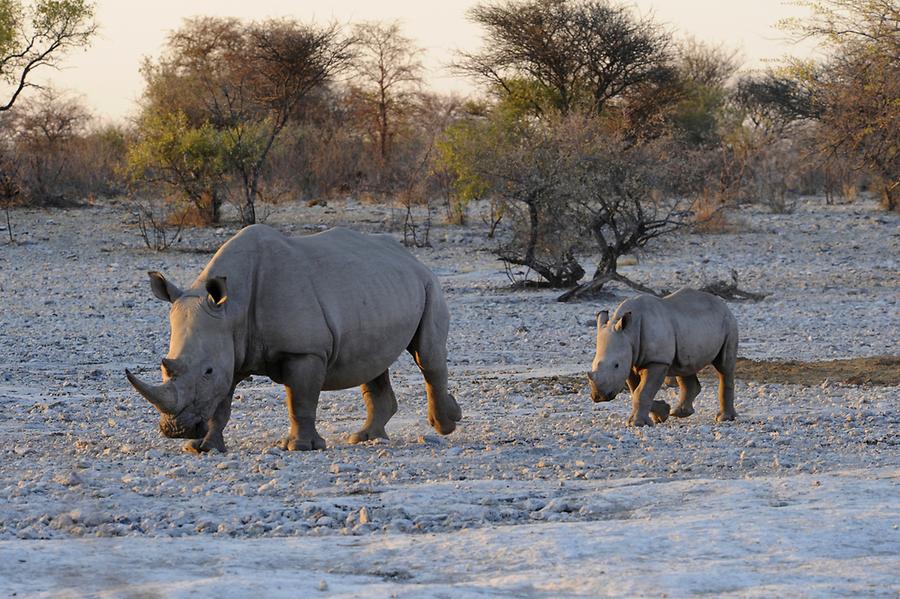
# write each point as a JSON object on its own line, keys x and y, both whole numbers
{"x": 215, "y": 287}
{"x": 624, "y": 321}
{"x": 602, "y": 318}
{"x": 162, "y": 288}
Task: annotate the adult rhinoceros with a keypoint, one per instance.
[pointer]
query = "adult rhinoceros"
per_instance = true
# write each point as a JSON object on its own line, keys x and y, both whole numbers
{"x": 326, "y": 311}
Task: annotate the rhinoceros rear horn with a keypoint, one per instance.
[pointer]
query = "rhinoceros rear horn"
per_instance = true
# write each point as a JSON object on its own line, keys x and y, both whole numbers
{"x": 161, "y": 396}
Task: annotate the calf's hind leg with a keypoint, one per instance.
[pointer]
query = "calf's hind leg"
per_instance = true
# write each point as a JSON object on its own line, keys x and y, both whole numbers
{"x": 689, "y": 388}
{"x": 381, "y": 404}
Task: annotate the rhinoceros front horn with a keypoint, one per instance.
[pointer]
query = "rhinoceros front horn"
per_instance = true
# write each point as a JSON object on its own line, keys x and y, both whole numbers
{"x": 161, "y": 396}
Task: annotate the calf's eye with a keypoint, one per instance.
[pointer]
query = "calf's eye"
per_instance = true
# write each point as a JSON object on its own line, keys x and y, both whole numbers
{"x": 209, "y": 371}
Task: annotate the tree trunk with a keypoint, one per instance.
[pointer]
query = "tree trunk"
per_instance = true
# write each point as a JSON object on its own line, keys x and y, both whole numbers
{"x": 600, "y": 279}
{"x": 12, "y": 239}
{"x": 889, "y": 198}
{"x": 565, "y": 274}
{"x": 248, "y": 213}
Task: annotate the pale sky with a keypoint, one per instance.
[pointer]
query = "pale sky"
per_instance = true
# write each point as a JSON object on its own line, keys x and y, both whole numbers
{"x": 106, "y": 75}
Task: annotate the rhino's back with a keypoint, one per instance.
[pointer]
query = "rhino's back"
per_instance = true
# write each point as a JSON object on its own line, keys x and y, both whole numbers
{"x": 701, "y": 323}
{"x": 355, "y": 299}
{"x": 335, "y": 260}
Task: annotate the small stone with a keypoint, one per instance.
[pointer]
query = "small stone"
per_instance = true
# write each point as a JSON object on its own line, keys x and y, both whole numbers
{"x": 430, "y": 440}
{"x": 68, "y": 479}
{"x": 342, "y": 468}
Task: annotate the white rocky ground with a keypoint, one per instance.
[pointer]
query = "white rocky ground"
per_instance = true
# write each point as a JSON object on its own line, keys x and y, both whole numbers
{"x": 539, "y": 493}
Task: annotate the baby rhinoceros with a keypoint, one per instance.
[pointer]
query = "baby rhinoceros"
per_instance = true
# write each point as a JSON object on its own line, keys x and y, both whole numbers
{"x": 326, "y": 311}
{"x": 649, "y": 338}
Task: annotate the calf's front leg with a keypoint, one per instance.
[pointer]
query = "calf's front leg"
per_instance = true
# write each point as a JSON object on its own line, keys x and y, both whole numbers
{"x": 303, "y": 378}
{"x": 659, "y": 410}
{"x": 652, "y": 378}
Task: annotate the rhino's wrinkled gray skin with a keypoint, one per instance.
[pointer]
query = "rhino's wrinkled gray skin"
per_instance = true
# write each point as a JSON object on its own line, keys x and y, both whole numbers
{"x": 649, "y": 338}
{"x": 321, "y": 312}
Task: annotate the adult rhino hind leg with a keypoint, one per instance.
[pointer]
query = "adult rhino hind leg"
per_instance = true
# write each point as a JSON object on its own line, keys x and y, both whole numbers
{"x": 303, "y": 378}
{"x": 725, "y": 364}
{"x": 429, "y": 349}
{"x": 381, "y": 404}
{"x": 689, "y": 389}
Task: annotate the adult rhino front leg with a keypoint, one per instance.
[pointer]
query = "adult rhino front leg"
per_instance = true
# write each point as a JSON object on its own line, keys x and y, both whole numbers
{"x": 381, "y": 404}
{"x": 652, "y": 378}
{"x": 303, "y": 378}
{"x": 214, "y": 439}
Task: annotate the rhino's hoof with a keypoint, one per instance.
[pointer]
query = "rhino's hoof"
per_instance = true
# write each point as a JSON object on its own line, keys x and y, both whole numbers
{"x": 453, "y": 409}
{"x": 638, "y": 420}
{"x": 681, "y": 411}
{"x": 659, "y": 411}
{"x": 302, "y": 444}
{"x": 725, "y": 416}
{"x": 444, "y": 420}
{"x": 444, "y": 427}
{"x": 367, "y": 434}
{"x": 199, "y": 446}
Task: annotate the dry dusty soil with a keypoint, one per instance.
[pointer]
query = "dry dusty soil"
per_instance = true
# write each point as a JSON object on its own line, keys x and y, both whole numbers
{"x": 539, "y": 493}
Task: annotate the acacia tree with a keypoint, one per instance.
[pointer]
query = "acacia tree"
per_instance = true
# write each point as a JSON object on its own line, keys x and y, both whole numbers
{"x": 854, "y": 92}
{"x": 247, "y": 81}
{"x": 704, "y": 72}
{"x": 524, "y": 165}
{"x": 47, "y": 129}
{"x": 582, "y": 54}
{"x": 38, "y": 35}
{"x": 386, "y": 76}
{"x": 33, "y": 36}
{"x": 630, "y": 194}
{"x": 187, "y": 161}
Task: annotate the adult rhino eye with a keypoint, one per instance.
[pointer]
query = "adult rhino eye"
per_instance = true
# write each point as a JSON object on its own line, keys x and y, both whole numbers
{"x": 616, "y": 365}
{"x": 209, "y": 371}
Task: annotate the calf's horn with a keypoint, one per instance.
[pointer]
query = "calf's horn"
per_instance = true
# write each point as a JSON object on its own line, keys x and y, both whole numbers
{"x": 160, "y": 396}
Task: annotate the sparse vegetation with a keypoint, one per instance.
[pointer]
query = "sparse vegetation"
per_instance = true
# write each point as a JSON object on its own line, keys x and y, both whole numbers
{"x": 36, "y": 35}
{"x": 256, "y": 113}
{"x": 601, "y": 154}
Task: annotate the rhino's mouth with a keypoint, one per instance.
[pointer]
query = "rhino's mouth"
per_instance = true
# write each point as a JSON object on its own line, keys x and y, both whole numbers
{"x": 173, "y": 429}
{"x": 597, "y": 394}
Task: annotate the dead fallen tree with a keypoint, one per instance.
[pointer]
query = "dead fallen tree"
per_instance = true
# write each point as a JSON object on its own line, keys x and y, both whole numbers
{"x": 729, "y": 290}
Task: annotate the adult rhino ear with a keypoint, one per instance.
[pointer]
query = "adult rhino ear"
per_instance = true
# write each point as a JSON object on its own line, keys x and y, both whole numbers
{"x": 162, "y": 288}
{"x": 602, "y": 318}
{"x": 216, "y": 290}
{"x": 624, "y": 321}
